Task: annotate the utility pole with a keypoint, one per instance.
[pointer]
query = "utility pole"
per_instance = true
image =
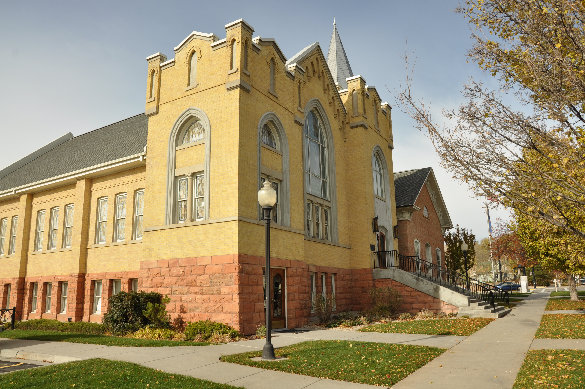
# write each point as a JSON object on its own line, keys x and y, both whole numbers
{"x": 487, "y": 210}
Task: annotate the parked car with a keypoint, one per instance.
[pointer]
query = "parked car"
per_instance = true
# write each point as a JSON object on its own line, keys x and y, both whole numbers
{"x": 508, "y": 286}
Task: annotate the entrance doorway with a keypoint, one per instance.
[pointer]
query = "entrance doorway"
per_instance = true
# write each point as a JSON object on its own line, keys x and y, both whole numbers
{"x": 277, "y": 287}
{"x": 382, "y": 250}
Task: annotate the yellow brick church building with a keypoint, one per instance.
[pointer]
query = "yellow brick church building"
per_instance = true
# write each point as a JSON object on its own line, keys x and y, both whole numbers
{"x": 166, "y": 200}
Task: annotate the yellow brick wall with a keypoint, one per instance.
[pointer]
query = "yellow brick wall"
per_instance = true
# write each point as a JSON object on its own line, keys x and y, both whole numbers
{"x": 115, "y": 256}
{"x": 234, "y": 100}
{"x": 60, "y": 260}
{"x": 10, "y": 264}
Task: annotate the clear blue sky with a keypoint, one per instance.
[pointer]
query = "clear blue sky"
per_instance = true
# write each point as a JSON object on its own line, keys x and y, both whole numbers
{"x": 74, "y": 66}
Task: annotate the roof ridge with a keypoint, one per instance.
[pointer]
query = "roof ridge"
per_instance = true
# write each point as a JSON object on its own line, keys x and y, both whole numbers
{"x": 22, "y": 162}
{"x": 30, "y": 158}
{"x": 108, "y": 125}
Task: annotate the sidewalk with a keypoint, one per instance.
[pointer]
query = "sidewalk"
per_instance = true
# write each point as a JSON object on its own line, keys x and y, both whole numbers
{"x": 203, "y": 362}
{"x": 490, "y": 358}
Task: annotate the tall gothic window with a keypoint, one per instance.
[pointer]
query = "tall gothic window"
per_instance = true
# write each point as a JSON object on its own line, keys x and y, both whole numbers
{"x": 187, "y": 197}
{"x": 378, "y": 171}
{"x": 318, "y": 206}
{"x": 151, "y": 82}
{"x": 316, "y": 157}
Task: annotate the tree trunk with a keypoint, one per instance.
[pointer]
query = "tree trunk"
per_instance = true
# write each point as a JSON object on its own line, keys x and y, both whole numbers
{"x": 573, "y": 288}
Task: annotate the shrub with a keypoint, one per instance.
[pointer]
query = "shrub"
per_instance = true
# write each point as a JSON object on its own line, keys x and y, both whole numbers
{"x": 156, "y": 334}
{"x": 206, "y": 329}
{"x": 324, "y": 309}
{"x": 261, "y": 331}
{"x": 405, "y": 316}
{"x": 156, "y": 314}
{"x": 425, "y": 314}
{"x": 385, "y": 302}
{"x": 347, "y": 319}
{"x": 127, "y": 311}
{"x": 79, "y": 327}
{"x": 178, "y": 324}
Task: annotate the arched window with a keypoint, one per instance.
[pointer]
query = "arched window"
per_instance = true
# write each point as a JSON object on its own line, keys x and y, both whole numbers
{"x": 319, "y": 168}
{"x": 245, "y": 55}
{"x": 378, "y": 170}
{"x": 188, "y": 188}
{"x": 271, "y": 134}
{"x": 151, "y": 85}
{"x": 354, "y": 102}
{"x": 438, "y": 254}
{"x": 272, "y": 76}
{"x": 192, "y": 69}
{"x": 316, "y": 157}
{"x": 268, "y": 138}
{"x": 233, "y": 55}
{"x": 194, "y": 133}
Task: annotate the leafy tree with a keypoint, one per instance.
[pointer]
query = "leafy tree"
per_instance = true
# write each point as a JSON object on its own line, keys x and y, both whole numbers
{"x": 551, "y": 246}
{"x": 454, "y": 259}
{"x": 483, "y": 264}
{"x": 532, "y": 161}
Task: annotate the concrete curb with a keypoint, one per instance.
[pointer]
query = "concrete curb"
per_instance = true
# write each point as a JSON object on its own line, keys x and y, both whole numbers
{"x": 19, "y": 354}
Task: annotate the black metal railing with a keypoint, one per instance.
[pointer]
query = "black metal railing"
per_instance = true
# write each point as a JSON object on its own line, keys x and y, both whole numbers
{"x": 6, "y": 315}
{"x": 454, "y": 280}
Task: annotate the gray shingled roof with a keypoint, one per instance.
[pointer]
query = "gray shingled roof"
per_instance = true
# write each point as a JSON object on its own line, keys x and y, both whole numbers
{"x": 337, "y": 60}
{"x": 69, "y": 154}
{"x": 408, "y": 185}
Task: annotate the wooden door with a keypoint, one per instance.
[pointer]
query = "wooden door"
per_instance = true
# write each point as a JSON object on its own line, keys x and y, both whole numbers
{"x": 278, "y": 307}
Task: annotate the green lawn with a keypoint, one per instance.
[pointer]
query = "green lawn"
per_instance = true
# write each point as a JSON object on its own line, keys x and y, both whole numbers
{"x": 552, "y": 369}
{"x": 100, "y": 373}
{"x": 566, "y": 294}
{"x": 363, "y": 362}
{"x": 458, "y": 326}
{"x": 56, "y": 336}
{"x": 564, "y": 304}
{"x": 562, "y": 326}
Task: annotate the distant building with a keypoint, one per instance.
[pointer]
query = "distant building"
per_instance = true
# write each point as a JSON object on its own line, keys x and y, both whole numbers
{"x": 422, "y": 215}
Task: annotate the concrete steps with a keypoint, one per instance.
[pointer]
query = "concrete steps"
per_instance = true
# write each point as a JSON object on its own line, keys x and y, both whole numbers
{"x": 478, "y": 308}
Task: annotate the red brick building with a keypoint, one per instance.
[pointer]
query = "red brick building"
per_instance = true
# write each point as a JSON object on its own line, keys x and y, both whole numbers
{"x": 422, "y": 215}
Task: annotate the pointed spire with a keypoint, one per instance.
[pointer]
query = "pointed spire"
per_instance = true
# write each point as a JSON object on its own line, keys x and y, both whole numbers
{"x": 337, "y": 59}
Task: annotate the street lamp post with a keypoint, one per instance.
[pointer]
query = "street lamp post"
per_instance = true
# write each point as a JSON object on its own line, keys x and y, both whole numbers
{"x": 464, "y": 248}
{"x": 267, "y": 200}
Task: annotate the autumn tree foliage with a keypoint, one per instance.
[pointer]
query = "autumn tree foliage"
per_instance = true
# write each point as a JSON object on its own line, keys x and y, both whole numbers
{"x": 551, "y": 247}
{"x": 532, "y": 159}
{"x": 454, "y": 259}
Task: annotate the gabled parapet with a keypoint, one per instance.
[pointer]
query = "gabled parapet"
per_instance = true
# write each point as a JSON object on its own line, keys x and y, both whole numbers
{"x": 356, "y": 102}
{"x": 238, "y": 42}
{"x": 153, "y": 82}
